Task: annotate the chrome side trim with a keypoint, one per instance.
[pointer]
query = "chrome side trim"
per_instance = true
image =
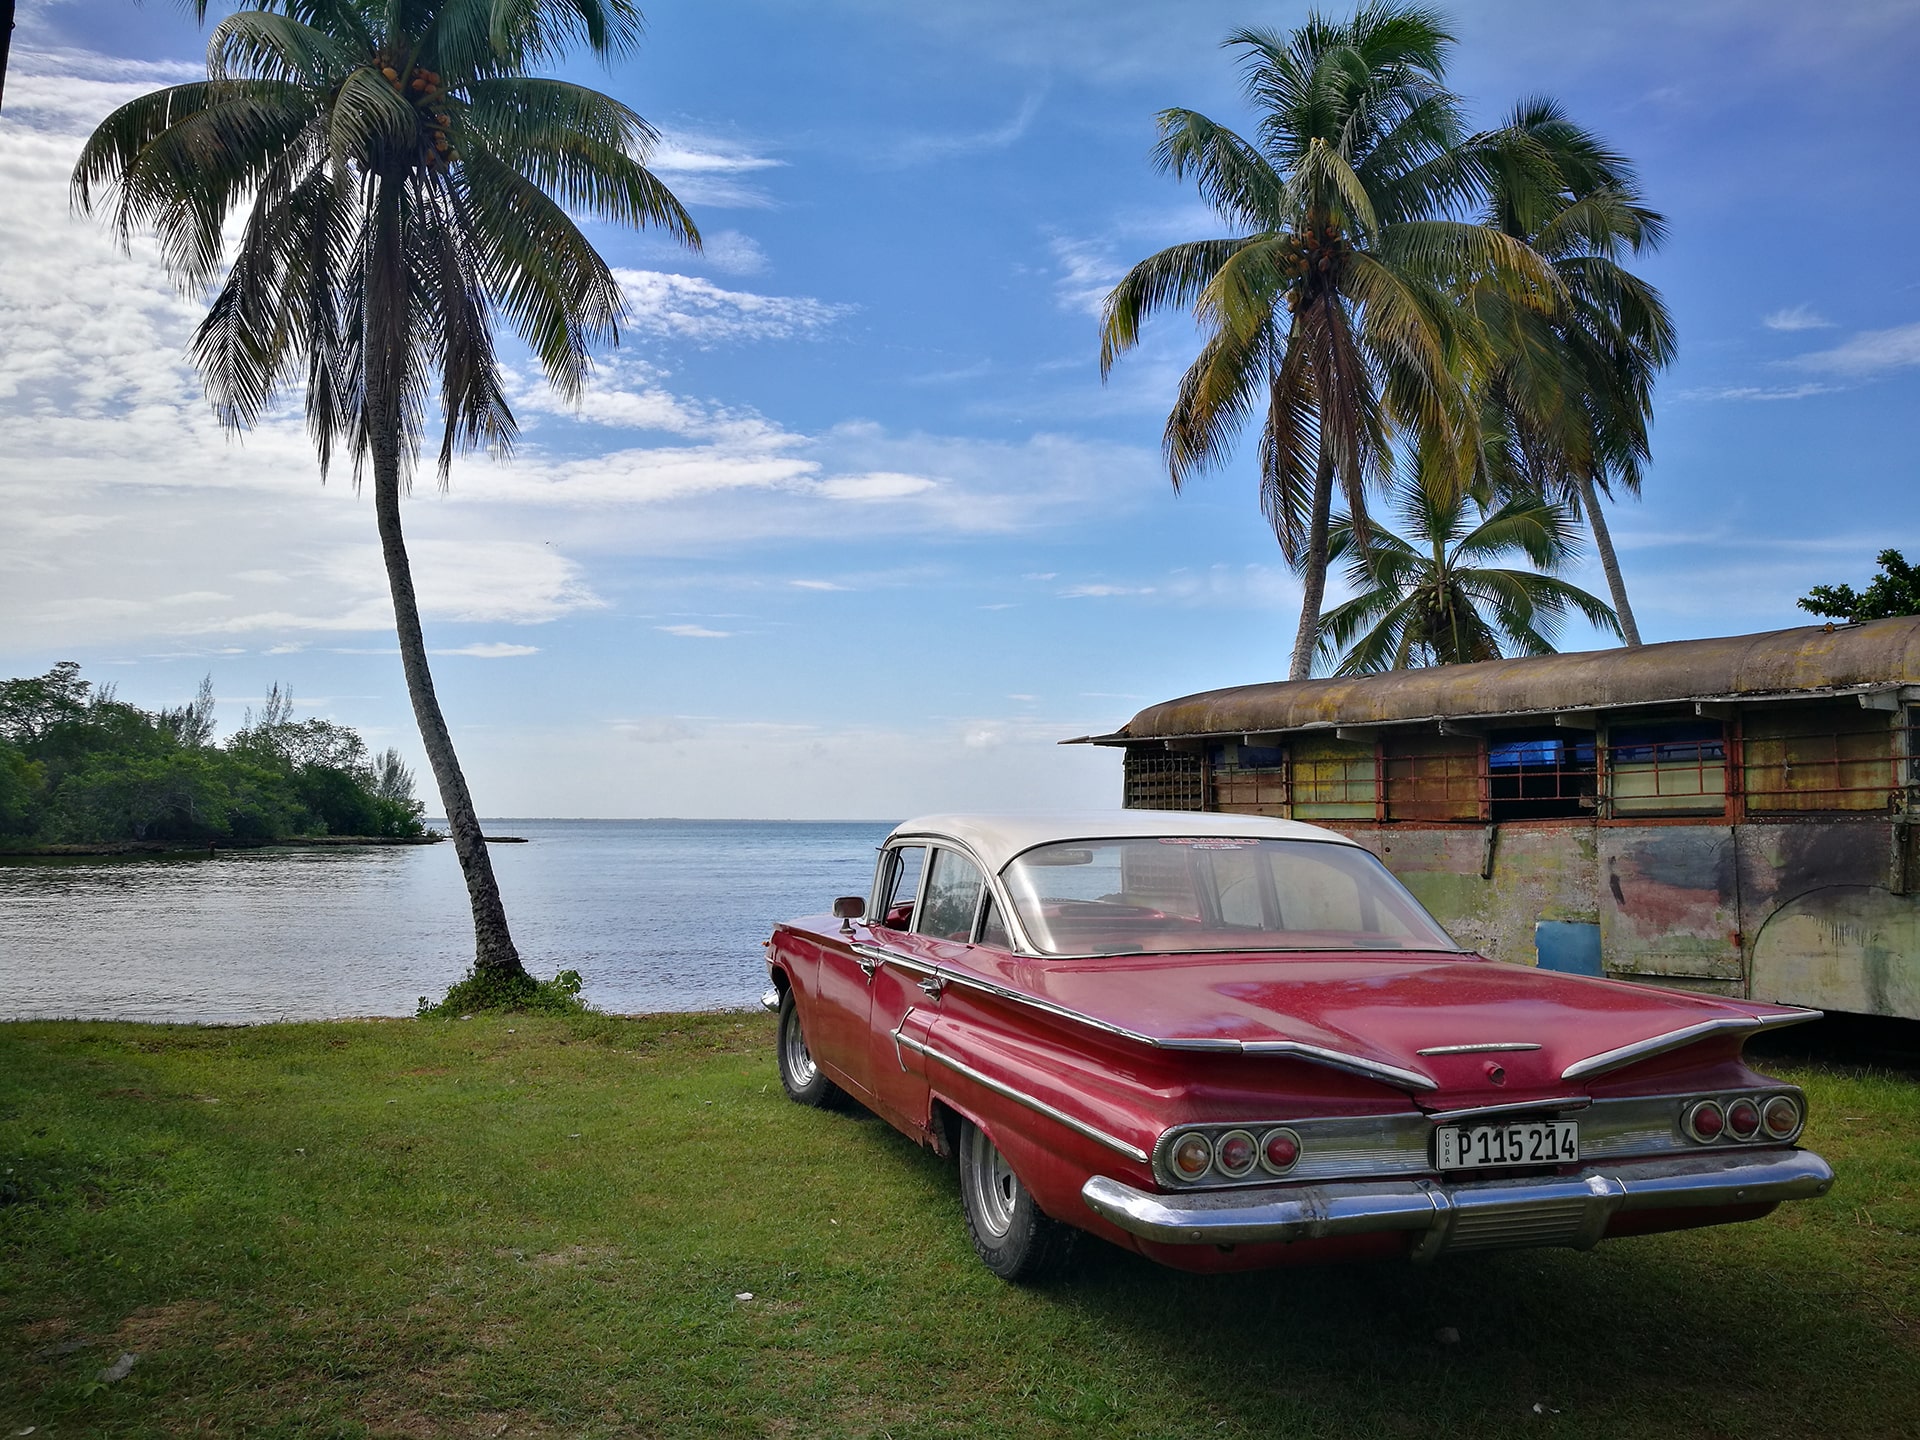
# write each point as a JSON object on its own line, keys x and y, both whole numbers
{"x": 1475, "y": 1112}
{"x": 898, "y": 1058}
{"x": 1297, "y": 1049}
{"x": 1491, "y": 1047}
{"x": 1674, "y": 1039}
{"x": 1020, "y": 1097}
{"x": 1569, "y": 1211}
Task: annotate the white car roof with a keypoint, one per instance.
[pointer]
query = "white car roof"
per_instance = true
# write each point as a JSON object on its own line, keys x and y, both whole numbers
{"x": 996, "y": 839}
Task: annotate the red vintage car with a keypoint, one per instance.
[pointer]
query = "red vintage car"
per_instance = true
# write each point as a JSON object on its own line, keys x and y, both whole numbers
{"x": 1227, "y": 1042}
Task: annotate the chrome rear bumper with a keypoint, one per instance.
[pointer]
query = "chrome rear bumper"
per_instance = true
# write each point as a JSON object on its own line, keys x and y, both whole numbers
{"x": 1567, "y": 1210}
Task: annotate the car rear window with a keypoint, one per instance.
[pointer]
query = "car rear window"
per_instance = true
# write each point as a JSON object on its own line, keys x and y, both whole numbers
{"x": 1193, "y": 892}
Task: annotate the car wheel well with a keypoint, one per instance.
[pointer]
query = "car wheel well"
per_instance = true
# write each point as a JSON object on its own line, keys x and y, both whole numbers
{"x": 943, "y": 1127}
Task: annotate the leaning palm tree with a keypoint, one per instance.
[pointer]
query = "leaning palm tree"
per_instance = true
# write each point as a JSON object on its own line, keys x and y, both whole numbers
{"x": 1438, "y": 597}
{"x": 1568, "y": 397}
{"x": 403, "y": 181}
{"x": 1333, "y": 306}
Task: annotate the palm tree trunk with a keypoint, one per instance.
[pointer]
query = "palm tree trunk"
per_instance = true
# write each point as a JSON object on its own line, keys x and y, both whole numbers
{"x": 494, "y": 954}
{"x": 1609, "y": 562}
{"x": 1314, "y": 569}
{"x": 6, "y": 41}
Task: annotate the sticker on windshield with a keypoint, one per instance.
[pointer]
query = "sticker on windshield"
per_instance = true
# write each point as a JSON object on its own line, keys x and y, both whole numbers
{"x": 1200, "y": 842}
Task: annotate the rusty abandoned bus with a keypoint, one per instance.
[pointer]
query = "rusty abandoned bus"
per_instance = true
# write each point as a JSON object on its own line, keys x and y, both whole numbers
{"x": 1734, "y": 815}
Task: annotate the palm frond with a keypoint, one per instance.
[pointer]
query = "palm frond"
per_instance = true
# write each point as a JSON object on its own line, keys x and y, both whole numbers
{"x": 1231, "y": 175}
{"x": 1217, "y": 394}
{"x": 1172, "y": 278}
{"x": 260, "y": 45}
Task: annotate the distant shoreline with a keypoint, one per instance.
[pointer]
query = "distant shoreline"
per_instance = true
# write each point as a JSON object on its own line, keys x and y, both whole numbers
{"x": 174, "y": 847}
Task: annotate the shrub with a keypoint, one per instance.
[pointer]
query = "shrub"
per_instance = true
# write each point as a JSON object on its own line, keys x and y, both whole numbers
{"x": 518, "y": 993}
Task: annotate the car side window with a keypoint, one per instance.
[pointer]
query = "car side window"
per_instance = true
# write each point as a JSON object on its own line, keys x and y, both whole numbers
{"x": 899, "y": 883}
{"x": 953, "y": 894}
{"x": 993, "y": 929}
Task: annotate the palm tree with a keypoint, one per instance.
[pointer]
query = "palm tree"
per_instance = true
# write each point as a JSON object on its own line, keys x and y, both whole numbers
{"x": 1435, "y": 599}
{"x": 1334, "y": 304}
{"x": 403, "y": 180}
{"x": 1567, "y": 401}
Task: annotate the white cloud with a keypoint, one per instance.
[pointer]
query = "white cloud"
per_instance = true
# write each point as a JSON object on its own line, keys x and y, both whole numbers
{"x": 685, "y": 307}
{"x": 977, "y": 370}
{"x": 733, "y": 253}
{"x": 695, "y": 632}
{"x": 1796, "y": 317}
{"x": 492, "y": 650}
{"x": 728, "y": 251}
{"x": 1263, "y": 587}
{"x": 817, "y": 585}
{"x": 920, "y": 149}
{"x": 1758, "y": 392}
{"x": 881, "y": 485}
{"x": 1088, "y": 271}
{"x": 702, "y": 170}
{"x": 1871, "y": 352}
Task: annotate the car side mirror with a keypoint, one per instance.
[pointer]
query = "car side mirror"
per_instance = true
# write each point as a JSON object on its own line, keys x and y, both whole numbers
{"x": 847, "y": 909}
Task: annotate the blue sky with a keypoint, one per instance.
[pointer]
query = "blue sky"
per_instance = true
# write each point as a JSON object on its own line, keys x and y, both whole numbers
{"x": 850, "y": 526}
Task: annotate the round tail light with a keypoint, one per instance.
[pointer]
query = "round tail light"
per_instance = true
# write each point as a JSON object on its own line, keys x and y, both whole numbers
{"x": 1743, "y": 1119}
{"x": 1781, "y": 1116}
{"x": 1279, "y": 1149}
{"x": 1704, "y": 1121}
{"x": 1191, "y": 1155}
{"x": 1234, "y": 1153}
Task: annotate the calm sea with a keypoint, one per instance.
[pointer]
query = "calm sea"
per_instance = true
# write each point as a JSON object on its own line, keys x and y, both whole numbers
{"x": 655, "y": 914}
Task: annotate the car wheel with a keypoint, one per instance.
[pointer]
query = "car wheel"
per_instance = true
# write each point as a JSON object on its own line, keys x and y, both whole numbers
{"x": 1010, "y": 1234}
{"x": 802, "y": 1079}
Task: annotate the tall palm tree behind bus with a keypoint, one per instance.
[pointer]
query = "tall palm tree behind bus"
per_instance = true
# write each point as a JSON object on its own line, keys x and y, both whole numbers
{"x": 403, "y": 180}
{"x": 1569, "y": 394}
{"x": 1334, "y": 307}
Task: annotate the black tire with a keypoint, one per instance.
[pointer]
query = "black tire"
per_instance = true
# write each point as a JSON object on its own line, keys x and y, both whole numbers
{"x": 1010, "y": 1234}
{"x": 803, "y": 1080}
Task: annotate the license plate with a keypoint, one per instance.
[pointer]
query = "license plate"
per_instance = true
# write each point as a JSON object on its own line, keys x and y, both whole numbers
{"x": 1519, "y": 1142}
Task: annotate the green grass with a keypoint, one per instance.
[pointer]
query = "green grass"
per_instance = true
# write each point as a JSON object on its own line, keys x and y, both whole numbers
{"x": 518, "y": 1225}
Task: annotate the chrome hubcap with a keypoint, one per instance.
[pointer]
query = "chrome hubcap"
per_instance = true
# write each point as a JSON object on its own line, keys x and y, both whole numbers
{"x": 991, "y": 1186}
{"x": 799, "y": 1061}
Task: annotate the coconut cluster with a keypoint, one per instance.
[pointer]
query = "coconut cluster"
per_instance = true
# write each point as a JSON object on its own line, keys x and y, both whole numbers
{"x": 1311, "y": 253}
{"x": 427, "y": 93}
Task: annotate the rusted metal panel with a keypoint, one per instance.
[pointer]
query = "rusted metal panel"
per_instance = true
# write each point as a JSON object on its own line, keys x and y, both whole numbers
{"x": 1544, "y": 872}
{"x": 1844, "y": 947}
{"x": 1429, "y": 780}
{"x": 1333, "y": 780}
{"x": 1669, "y": 902}
{"x": 1800, "y": 759}
{"x": 1828, "y": 922}
{"x": 1802, "y": 661}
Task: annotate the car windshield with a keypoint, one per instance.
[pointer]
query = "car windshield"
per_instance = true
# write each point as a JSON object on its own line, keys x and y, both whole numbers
{"x": 1118, "y": 897}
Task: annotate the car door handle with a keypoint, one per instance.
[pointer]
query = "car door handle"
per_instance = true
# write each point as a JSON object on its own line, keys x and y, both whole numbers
{"x": 869, "y": 958}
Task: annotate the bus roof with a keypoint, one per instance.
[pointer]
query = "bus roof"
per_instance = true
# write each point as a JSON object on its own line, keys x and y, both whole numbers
{"x": 1805, "y": 662}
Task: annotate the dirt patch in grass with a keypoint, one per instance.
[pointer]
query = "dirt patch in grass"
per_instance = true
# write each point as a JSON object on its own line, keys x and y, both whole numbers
{"x": 159, "y": 1325}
